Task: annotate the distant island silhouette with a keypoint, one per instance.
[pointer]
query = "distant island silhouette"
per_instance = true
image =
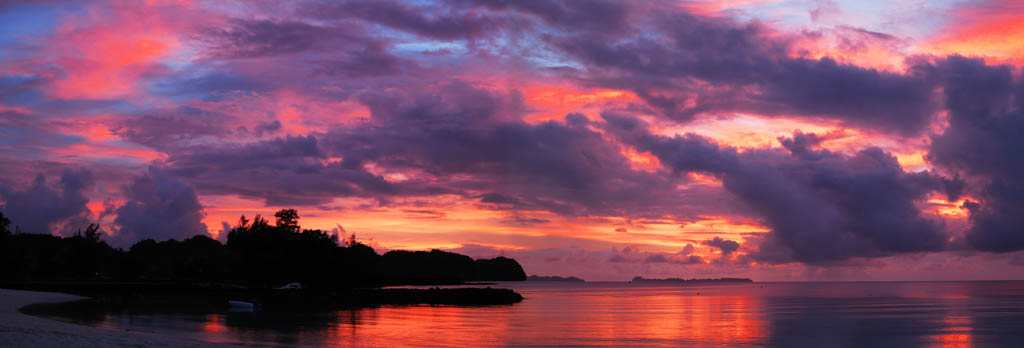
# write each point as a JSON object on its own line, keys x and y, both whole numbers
{"x": 553, "y": 278}
{"x": 280, "y": 266}
{"x": 639, "y": 279}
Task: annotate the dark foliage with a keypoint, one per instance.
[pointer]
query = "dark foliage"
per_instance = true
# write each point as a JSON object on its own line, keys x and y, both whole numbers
{"x": 438, "y": 267}
{"x": 40, "y": 256}
{"x": 195, "y": 258}
{"x": 4, "y": 222}
{"x": 257, "y": 255}
{"x": 499, "y": 268}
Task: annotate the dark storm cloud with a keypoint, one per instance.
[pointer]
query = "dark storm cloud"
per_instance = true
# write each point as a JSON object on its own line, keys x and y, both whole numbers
{"x": 656, "y": 258}
{"x": 267, "y": 127}
{"x": 626, "y": 255}
{"x": 266, "y": 38}
{"x": 283, "y": 171}
{"x": 803, "y": 145}
{"x": 984, "y": 141}
{"x": 497, "y": 198}
{"x": 589, "y": 15}
{"x": 822, "y": 208}
{"x": 997, "y": 222}
{"x": 428, "y": 21}
{"x": 158, "y": 207}
{"x": 985, "y": 118}
{"x": 567, "y": 168}
{"x": 678, "y": 259}
{"x": 171, "y": 130}
{"x": 448, "y": 139}
{"x": 726, "y": 246}
{"x": 371, "y": 60}
{"x": 341, "y": 48}
{"x": 42, "y": 208}
{"x": 686, "y": 64}
{"x": 680, "y": 64}
{"x": 688, "y": 260}
{"x": 630, "y": 254}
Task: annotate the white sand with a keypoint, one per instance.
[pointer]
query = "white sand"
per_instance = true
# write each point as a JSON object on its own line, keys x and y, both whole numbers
{"x": 25, "y": 331}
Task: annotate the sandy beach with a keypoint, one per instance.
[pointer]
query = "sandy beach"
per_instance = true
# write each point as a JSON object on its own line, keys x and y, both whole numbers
{"x": 24, "y": 331}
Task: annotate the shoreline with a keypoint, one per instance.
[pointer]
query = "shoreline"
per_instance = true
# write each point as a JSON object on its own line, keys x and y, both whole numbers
{"x": 18, "y": 329}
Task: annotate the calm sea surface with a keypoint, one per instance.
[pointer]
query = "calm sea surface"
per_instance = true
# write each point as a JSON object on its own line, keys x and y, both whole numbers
{"x": 557, "y": 314}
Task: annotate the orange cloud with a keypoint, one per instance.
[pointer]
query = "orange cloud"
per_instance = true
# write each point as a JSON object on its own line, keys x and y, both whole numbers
{"x": 855, "y": 47}
{"x": 994, "y": 32}
{"x": 449, "y": 222}
{"x": 106, "y": 51}
{"x": 299, "y": 114}
{"x": 641, "y": 160}
{"x": 913, "y": 161}
{"x": 100, "y": 143}
{"x": 553, "y": 102}
{"x": 100, "y": 151}
{"x": 938, "y": 205}
{"x": 750, "y": 131}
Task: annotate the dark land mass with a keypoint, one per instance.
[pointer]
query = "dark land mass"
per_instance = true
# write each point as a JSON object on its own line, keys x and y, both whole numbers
{"x": 153, "y": 297}
{"x": 257, "y": 258}
{"x": 639, "y": 279}
{"x": 553, "y": 279}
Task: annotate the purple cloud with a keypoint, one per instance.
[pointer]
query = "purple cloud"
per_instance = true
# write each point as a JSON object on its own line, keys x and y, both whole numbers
{"x": 983, "y": 141}
{"x": 824, "y": 208}
{"x": 160, "y": 208}
{"x": 726, "y": 246}
{"x": 42, "y": 208}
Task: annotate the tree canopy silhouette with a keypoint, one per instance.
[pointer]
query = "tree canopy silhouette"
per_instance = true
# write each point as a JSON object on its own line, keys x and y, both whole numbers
{"x": 288, "y": 219}
{"x": 256, "y": 254}
{"x": 4, "y": 222}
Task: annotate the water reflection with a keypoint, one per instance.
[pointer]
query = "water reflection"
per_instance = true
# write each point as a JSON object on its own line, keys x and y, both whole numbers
{"x": 956, "y": 314}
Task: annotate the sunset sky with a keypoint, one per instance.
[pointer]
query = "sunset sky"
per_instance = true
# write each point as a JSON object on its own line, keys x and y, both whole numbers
{"x": 778, "y": 140}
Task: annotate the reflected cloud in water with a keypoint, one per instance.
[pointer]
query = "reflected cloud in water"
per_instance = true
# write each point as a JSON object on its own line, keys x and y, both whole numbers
{"x": 948, "y": 314}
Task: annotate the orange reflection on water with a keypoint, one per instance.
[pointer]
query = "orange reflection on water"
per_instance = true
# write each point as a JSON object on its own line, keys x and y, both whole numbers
{"x": 956, "y": 335}
{"x": 701, "y": 319}
{"x": 663, "y": 316}
{"x": 213, "y": 324}
{"x": 612, "y": 314}
{"x": 956, "y": 327}
{"x": 418, "y": 326}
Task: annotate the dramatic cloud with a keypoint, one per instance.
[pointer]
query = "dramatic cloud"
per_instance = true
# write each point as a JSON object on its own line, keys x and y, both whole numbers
{"x": 266, "y": 38}
{"x": 983, "y": 141}
{"x": 647, "y": 127}
{"x": 42, "y": 208}
{"x": 821, "y": 208}
{"x": 588, "y": 16}
{"x": 158, "y": 208}
{"x": 630, "y": 255}
{"x": 726, "y": 246}
{"x": 284, "y": 171}
{"x": 459, "y": 139}
{"x": 684, "y": 65}
{"x": 175, "y": 130}
{"x": 429, "y": 21}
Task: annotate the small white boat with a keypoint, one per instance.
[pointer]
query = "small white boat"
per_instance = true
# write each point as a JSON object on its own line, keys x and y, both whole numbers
{"x": 241, "y": 306}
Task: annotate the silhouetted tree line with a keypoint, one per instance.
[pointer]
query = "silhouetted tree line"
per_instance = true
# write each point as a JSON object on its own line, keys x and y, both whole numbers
{"x": 256, "y": 254}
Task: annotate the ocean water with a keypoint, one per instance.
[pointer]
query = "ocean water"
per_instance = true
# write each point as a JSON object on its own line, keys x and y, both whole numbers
{"x": 595, "y": 314}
